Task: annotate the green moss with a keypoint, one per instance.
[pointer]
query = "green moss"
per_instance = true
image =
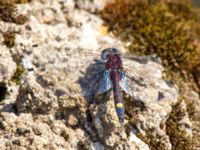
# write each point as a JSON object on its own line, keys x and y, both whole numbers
{"x": 157, "y": 27}
{"x": 153, "y": 142}
{"x": 18, "y": 73}
{"x": 196, "y": 136}
{"x": 8, "y": 13}
{"x": 196, "y": 76}
{"x": 22, "y": 1}
{"x": 177, "y": 136}
{"x": 9, "y": 38}
{"x": 194, "y": 116}
{"x": 15, "y": 1}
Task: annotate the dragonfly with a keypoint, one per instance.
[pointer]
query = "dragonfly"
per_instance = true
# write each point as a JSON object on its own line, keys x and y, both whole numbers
{"x": 94, "y": 73}
{"x": 113, "y": 75}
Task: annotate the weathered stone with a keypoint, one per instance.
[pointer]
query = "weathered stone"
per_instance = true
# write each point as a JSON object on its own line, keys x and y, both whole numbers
{"x": 7, "y": 65}
{"x": 63, "y": 42}
{"x": 33, "y": 98}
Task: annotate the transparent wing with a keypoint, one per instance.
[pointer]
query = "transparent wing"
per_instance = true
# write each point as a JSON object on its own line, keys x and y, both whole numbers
{"x": 102, "y": 83}
{"x": 123, "y": 83}
{"x": 134, "y": 87}
{"x": 142, "y": 79}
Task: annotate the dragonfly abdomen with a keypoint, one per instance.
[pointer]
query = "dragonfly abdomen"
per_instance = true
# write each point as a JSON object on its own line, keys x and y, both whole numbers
{"x": 118, "y": 99}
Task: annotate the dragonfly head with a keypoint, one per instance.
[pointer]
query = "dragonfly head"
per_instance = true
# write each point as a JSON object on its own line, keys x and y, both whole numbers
{"x": 109, "y": 51}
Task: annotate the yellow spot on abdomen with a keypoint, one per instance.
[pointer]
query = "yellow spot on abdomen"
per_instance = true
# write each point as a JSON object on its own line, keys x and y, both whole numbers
{"x": 119, "y": 105}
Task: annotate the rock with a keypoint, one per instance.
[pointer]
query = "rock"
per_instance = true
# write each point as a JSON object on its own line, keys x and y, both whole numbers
{"x": 63, "y": 42}
{"x": 22, "y": 131}
{"x": 93, "y": 5}
{"x": 72, "y": 109}
{"x": 192, "y": 117}
{"x": 35, "y": 134}
{"x": 136, "y": 143}
{"x": 72, "y": 121}
{"x": 7, "y": 65}
{"x": 33, "y": 98}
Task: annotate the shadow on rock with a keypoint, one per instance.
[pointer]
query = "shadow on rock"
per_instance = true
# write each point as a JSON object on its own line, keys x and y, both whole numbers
{"x": 89, "y": 83}
{"x": 9, "y": 108}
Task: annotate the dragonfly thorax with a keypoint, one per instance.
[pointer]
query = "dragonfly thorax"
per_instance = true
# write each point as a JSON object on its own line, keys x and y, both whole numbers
{"x": 114, "y": 61}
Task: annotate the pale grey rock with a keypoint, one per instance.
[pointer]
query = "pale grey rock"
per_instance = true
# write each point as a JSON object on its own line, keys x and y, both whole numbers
{"x": 152, "y": 122}
{"x": 8, "y": 89}
{"x": 24, "y": 132}
{"x": 136, "y": 143}
{"x": 33, "y": 98}
{"x": 7, "y": 65}
{"x": 92, "y": 5}
{"x": 185, "y": 124}
{"x": 62, "y": 43}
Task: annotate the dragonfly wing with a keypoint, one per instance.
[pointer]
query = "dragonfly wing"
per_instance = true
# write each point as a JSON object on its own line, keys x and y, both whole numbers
{"x": 142, "y": 59}
{"x": 123, "y": 82}
{"x": 130, "y": 86}
{"x": 143, "y": 81}
{"x": 102, "y": 83}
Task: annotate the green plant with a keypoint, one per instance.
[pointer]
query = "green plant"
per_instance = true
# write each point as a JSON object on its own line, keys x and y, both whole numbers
{"x": 18, "y": 73}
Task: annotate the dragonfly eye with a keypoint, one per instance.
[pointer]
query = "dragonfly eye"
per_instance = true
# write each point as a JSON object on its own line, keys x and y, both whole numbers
{"x": 108, "y": 52}
{"x": 105, "y": 53}
{"x": 115, "y": 51}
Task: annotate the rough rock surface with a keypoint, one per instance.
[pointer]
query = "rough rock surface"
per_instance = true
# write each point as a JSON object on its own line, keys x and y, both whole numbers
{"x": 7, "y": 65}
{"x": 50, "y": 108}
